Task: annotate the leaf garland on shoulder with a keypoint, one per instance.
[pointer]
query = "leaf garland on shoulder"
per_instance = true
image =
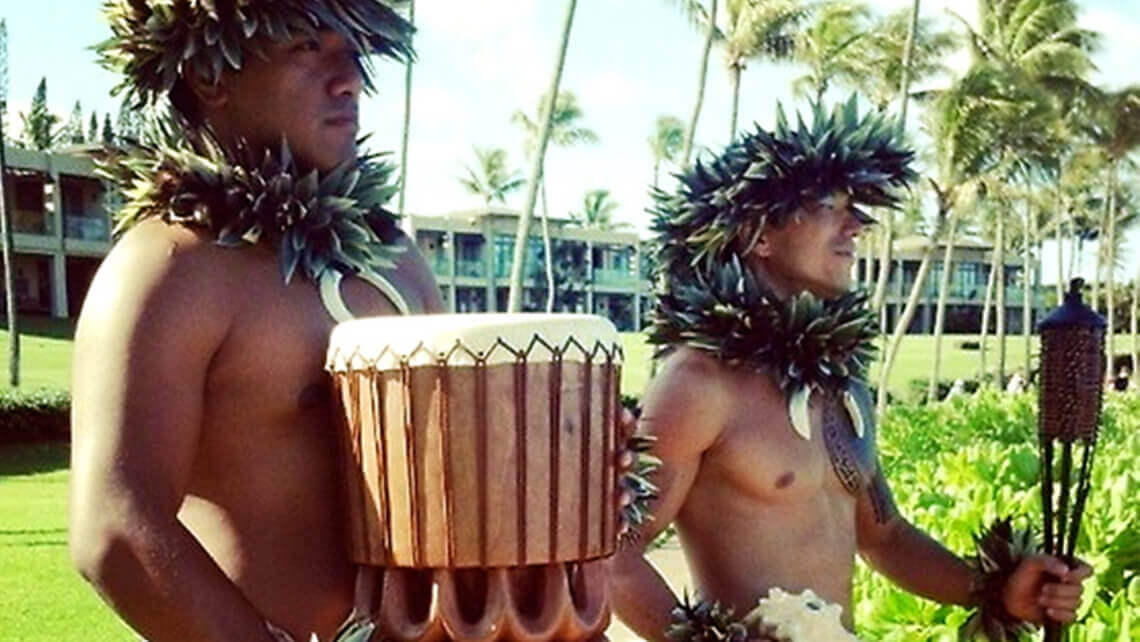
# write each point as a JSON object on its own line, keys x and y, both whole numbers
{"x": 317, "y": 221}
{"x": 729, "y": 314}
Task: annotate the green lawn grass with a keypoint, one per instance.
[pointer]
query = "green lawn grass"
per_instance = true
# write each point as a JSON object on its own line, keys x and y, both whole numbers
{"x": 41, "y": 597}
{"x": 914, "y": 361}
{"x": 45, "y": 353}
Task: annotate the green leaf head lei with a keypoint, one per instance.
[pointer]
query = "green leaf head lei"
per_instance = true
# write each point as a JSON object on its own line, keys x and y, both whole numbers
{"x": 708, "y": 299}
{"x": 156, "y": 43}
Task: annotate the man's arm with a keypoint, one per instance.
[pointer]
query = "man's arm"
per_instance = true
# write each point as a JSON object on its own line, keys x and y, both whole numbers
{"x": 894, "y": 547}
{"x": 1041, "y": 585}
{"x": 153, "y": 320}
{"x": 684, "y": 410}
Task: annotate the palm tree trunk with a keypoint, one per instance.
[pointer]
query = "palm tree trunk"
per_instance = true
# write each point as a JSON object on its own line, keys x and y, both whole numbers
{"x": 908, "y": 56}
{"x": 9, "y": 256}
{"x": 987, "y": 303}
{"x": 902, "y": 325}
{"x": 546, "y": 249}
{"x": 1110, "y": 271}
{"x": 514, "y": 297}
{"x": 886, "y": 247}
{"x": 999, "y": 260}
{"x": 1135, "y": 338}
{"x": 878, "y": 299}
{"x": 1027, "y": 284}
{"x": 1097, "y": 269}
{"x": 691, "y": 132}
{"x": 1061, "y": 280}
{"x": 1075, "y": 249}
{"x": 408, "y": 224}
{"x": 734, "y": 79}
{"x": 940, "y": 312}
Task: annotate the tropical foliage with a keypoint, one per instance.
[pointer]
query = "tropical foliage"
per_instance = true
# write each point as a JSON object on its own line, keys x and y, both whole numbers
{"x": 957, "y": 465}
{"x": 491, "y": 178}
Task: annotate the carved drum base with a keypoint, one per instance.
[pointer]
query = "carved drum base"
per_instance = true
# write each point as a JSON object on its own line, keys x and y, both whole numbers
{"x": 562, "y": 601}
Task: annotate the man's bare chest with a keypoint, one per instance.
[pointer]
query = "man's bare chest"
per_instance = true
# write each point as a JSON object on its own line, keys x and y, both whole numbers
{"x": 763, "y": 456}
{"x": 270, "y": 368}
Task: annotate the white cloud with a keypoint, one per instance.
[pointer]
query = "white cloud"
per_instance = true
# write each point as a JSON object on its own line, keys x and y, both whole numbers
{"x": 1117, "y": 56}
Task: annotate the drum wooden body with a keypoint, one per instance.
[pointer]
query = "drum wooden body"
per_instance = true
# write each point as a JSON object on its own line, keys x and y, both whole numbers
{"x": 493, "y": 450}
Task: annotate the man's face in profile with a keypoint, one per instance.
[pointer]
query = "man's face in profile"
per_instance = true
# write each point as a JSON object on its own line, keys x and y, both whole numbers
{"x": 307, "y": 90}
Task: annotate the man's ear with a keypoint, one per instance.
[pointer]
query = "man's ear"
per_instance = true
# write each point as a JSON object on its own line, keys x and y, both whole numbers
{"x": 762, "y": 248}
{"x": 755, "y": 240}
{"x": 212, "y": 95}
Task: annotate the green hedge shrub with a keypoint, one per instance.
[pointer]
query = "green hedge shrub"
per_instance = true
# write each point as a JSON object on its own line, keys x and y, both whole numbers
{"x": 34, "y": 415}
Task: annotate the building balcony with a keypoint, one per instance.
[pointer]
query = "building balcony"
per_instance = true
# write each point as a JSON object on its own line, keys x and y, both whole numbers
{"x": 440, "y": 264}
{"x": 619, "y": 278}
{"x": 470, "y": 269}
{"x": 32, "y": 222}
{"x": 87, "y": 228}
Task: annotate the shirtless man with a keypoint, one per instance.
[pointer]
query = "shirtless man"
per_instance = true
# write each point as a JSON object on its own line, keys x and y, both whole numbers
{"x": 764, "y": 494}
{"x": 205, "y": 490}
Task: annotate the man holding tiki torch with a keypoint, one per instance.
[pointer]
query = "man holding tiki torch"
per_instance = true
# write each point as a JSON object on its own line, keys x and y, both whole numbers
{"x": 762, "y": 422}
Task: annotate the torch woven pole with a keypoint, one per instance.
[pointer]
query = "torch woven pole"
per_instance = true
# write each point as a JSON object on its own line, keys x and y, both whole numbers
{"x": 1069, "y": 403}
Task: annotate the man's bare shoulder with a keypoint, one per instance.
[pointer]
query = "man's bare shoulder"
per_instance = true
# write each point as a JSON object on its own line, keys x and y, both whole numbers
{"x": 158, "y": 267}
{"x": 690, "y": 399}
{"x": 692, "y": 368}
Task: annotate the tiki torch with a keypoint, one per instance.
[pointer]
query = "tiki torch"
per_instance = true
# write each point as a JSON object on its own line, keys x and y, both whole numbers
{"x": 1069, "y": 403}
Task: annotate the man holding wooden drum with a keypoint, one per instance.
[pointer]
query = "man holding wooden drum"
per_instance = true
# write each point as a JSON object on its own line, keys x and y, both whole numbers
{"x": 761, "y": 418}
{"x": 204, "y": 501}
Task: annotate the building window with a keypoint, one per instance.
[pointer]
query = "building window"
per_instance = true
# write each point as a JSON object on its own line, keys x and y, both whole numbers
{"x": 30, "y": 195}
{"x": 505, "y": 255}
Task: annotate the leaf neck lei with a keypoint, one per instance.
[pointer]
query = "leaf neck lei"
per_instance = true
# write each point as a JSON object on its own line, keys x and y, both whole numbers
{"x": 728, "y": 313}
{"x": 323, "y": 225}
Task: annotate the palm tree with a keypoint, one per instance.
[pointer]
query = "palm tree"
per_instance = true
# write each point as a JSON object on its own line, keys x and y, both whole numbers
{"x": 1118, "y": 135}
{"x": 407, "y": 220}
{"x": 704, "y": 19}
{"x": 943, "y": 218}
{"x": 754, "y": 30}
{"x": 829, "y": 47}
{"x": 666, "y": 142}
{"x": 514, "y": 298}
{"x": 947, "y": 197}
{"x": 597, "y": 212}
{"x": 564, "y": 132}
{"x": 490, "y": 178}
{"x": 1029, "y": 59}
{"x": 900, "y": 49}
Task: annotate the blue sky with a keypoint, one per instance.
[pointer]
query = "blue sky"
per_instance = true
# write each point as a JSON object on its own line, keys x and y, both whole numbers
{"x": 480, "y": 60}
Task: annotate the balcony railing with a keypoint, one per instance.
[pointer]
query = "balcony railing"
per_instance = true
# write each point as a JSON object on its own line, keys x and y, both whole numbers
{"x": 470, "y": 268}
{"x": 616, "y": 278}
{"x": 87, "y": 228}
{"x": 32, "y": 222}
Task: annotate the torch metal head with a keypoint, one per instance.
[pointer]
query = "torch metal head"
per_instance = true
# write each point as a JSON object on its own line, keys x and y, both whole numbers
{"x": 1072, "y": 364}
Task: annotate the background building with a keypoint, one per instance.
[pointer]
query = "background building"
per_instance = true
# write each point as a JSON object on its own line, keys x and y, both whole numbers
{"x": 61, "y": 214}
{"x": 597, "y": 271}
{"x": 970, "y": 272}
{"x": 60, "y": 219}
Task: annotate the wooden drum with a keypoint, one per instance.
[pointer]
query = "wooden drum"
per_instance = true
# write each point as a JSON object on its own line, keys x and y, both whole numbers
{"x": 483, "y": 442}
